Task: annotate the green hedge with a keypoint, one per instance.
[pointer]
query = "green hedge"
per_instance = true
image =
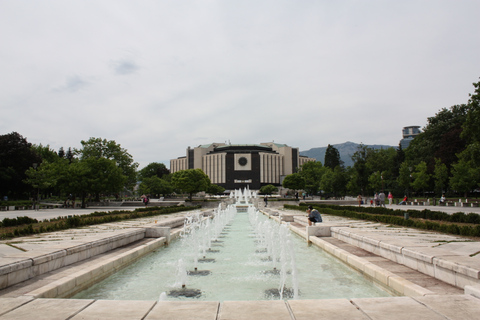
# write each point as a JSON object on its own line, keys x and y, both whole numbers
{"x": 19, "y": 203}
{"x": 394, "y": 219}
{"x": 460, "y": 217}
{"x": 75, "y": 221}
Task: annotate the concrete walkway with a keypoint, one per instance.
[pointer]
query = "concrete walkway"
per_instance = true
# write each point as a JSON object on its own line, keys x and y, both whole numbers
{"x": 376, "y": 246}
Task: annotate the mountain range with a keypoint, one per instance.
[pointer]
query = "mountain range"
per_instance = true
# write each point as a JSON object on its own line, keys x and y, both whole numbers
{"x": 346, "y": 150}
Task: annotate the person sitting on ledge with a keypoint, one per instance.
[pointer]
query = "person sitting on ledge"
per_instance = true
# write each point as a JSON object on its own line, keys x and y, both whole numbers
{"x": 404, "y": 201}
{"x": 313, "y": 216}
{"x": 442, "y": 199}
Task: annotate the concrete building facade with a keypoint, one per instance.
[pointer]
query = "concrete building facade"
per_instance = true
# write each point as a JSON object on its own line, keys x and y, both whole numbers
{"x": 240, "y": 166}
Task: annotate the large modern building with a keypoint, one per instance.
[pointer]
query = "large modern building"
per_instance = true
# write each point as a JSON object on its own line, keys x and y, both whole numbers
{"x": 239, "y": 166}
{"x": 409, "y": 133}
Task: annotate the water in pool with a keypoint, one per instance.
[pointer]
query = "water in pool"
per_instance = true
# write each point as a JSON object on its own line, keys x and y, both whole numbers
{"x": 238, "y": 256}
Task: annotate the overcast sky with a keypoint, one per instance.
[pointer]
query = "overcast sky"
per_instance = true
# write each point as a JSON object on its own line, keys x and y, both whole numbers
{"x": 159, "y": 76}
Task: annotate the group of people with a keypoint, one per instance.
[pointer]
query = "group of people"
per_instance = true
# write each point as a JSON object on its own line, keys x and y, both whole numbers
{"x": 378, "y": 199}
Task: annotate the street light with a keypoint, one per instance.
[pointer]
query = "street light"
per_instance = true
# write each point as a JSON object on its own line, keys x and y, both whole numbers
{"x": 35, "y": 202}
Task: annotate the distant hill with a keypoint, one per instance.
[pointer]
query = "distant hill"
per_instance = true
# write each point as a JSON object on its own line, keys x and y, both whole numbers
{"x": 346, "y": 150}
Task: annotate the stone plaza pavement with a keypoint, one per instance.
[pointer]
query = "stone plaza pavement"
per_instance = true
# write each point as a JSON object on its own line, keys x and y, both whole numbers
{"x": 430, "y": 272}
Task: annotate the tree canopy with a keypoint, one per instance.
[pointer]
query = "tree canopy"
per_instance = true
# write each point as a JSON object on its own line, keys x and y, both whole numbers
{"x": 332, "y": 157}
{"x": 16, "y": 157}
{"x": 153, "y": 169}
{"x": 294, "y": 181}
{"x": 103, "y": 148}
{"x": 190, "y": 181}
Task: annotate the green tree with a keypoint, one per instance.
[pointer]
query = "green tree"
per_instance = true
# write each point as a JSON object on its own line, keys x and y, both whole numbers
{"x": 153, "y": 169}
{"x": 155, "y": 185}
{"x": 464, "y": 177}
{"x": 104, "y": 176}
{"x": 268, "y": 189}
{"x": 102, "y": 148}
{"x": 440, "y": 176}
{"x": 45, "y": 153}
{"x": 405, "y": 177}
{"x": 359, "y": 180}
{"x": 294, "y": 181}
{"x": 375, "y": 181}
{"x": 334, "y": 181}
{"x": 16, "y": 157}
{"x": 75, "y": 178}
{"x": 420, "y": 177}
{"x": 440, "y": 138}
{"x": 339, "y": 181}
{"x": 332, "y": 157}
{"x": 312, "y": 173}
{"x": 41, "y": 177}
{"x": 190, "y": 181}
{"x": 215, "y": 189}
{"x": 471, "y": 126}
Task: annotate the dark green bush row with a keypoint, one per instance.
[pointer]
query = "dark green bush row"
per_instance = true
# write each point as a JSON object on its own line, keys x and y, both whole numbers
{"x": 19, "y": 203}
{"x": 460, "y": 217}
{"x": 7, "y": 222}
{"x": 91, "y": 219}
{"x": 451, "y": 228}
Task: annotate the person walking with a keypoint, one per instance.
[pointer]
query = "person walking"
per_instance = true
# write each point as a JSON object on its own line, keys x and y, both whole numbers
{"x": 381, "y": 197}
{"x": 359, "y": 199}
{"x": 390, "y": 198}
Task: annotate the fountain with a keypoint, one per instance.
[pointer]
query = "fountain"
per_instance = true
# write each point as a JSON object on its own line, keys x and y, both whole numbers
{"x": 237, "y": 254}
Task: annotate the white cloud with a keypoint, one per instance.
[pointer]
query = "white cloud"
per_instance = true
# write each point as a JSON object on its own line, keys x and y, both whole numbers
{"x": 158, "y": 77}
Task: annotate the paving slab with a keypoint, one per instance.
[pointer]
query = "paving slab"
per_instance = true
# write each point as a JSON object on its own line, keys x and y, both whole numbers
{"x": 6, "y": 250}
{"x": 8, "y": 304}
{"x": 47, "y": 309}
{"x": 115, "y": 310}
{"x": 334, "y": 309}
{"x": 398, "y": 308}
{"x": 248, "y": 310}
{"x": 185, "y": 310}
{"x": 454, "y": 307}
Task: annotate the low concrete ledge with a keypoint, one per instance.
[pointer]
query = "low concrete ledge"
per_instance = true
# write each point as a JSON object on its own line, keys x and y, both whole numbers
{"x": 320, "y": 230}
{"x": 384, "y": 277}
{"x": 72, "y": 284}
{"x": 158, "y": 232}
{"x": 288, "y": 217}
{"x": 30, "y": 267}
{"x": 473, "y": 291}
{"x": 430, "y": 263}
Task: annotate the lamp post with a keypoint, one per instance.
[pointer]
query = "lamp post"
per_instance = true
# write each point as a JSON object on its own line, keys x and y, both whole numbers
{"x": 35, "y": 201}
{"x": 410, "y": 168}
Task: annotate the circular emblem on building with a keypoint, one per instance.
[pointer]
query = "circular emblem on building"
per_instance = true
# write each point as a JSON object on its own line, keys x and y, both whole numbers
{"x": 242, "y": 161}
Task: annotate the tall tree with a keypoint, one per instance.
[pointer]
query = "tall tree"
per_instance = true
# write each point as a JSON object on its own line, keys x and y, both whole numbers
{"x": 420, "y": 177}
{"x": 16, "y": 157}
{"x": 332, "y": 157}
{"x": 103, "y": 148}
{"x": 440, "y": 177}
{"x": 471, "y": 126}
{"x": 312, "y": 173}
{"x": 464, "y": 177}
{"x": 441, "y": 138}
{"x": 405, "y": 177}
{"x": 362, "y": 171}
